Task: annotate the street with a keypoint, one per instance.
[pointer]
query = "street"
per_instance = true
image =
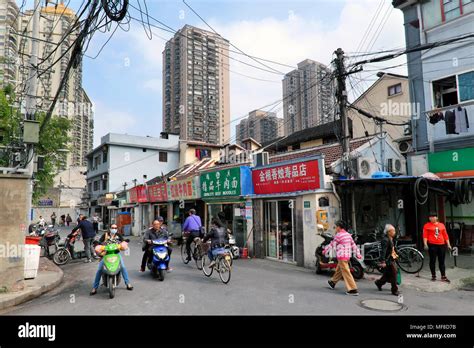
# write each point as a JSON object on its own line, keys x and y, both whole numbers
{"x": 257, "y": 287}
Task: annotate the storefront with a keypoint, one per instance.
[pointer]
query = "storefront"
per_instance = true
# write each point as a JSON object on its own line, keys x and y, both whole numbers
{"x": 104, "y": 202}
{"x": 289, "y": 202}
{"x": 140, "y": 217}
{"x": 183, "y": 194}
{"x": 457, "y": 164}
{"x": 158, "y": 198}
{"x": 226, "y": 191}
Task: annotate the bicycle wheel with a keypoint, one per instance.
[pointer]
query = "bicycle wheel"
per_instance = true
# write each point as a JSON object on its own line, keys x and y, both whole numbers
{"x": 198, "y": 257}
{"x": 224, "y": 268}
{"x": 184, "y": 255}
{"x": 410, "y": 260}
{"x": 205, "y": 261}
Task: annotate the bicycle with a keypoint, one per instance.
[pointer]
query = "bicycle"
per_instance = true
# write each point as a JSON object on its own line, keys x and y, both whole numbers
{"x": 196, "y": 251}
{"x": 410, "y": 259}
{"x": 222, "y": 266}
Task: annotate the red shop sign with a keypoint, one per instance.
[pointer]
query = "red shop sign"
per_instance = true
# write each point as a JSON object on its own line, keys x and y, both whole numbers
{"x": 138, "y": 194}
{"x": 301, "y": 176}
{"x": 157, "y": 193}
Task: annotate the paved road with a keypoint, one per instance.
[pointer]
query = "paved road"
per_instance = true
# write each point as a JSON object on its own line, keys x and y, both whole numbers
{"x": 257, "y": 287}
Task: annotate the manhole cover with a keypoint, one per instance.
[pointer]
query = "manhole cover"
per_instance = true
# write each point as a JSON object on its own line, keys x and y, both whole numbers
{"x": 382, "y": 305}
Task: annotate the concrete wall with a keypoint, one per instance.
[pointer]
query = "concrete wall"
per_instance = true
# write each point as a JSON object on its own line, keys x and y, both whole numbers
{"x": 13, "y": 189}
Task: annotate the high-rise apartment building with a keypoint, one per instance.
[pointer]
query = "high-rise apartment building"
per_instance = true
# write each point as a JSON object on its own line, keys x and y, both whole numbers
{"x": 9, "y": 19}
{"x": 196, "y": 86}
{"x": 56, "y": 36}
{"x": 260, "y": 125}
{"x": 308, "y": 96}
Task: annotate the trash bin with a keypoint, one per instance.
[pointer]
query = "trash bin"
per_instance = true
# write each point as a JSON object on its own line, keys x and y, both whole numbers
{"x": 32, "y": 256}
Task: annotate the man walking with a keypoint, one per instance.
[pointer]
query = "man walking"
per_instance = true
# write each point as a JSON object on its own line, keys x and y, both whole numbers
{"x": 53, "y": 219}
{"x": 192, "y": 225}
{"x": 95, "y": 223}
{"x": 435, "y": 239}
{"x": 88, "y": 235}
{"x": 68, "y": 220}
{"x": 344, "y": 246}
{"x": 388, "y": 261}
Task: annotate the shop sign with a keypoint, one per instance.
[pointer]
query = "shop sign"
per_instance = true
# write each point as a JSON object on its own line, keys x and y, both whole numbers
{"x": 225, "y": 183}
{"x": 452, "y": 163}
{"x": 45, "y": 203}
{"x": 158, "y": 193}
{"x": 138, "y": 194}
{"x": 299, "y": 176}
{"x": 183, "y": 189}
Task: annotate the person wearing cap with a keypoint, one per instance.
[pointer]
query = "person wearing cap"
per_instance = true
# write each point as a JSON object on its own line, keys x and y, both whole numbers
{"x": 435, "y": 239}
{"x": 157, "y": 231}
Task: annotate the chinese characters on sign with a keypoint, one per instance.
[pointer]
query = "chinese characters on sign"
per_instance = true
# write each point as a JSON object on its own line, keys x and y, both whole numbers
{"x": 138, "y": 194}
{"x": 300, "y": 176}
{"x": 182, "y": 189}
{"x": 157, "y": 193}
{"x": 221, "y": 183}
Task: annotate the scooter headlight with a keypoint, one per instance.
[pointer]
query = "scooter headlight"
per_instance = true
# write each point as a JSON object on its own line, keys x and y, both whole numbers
{"x": 161, "y": 254}
{"x": 112, "y": 259}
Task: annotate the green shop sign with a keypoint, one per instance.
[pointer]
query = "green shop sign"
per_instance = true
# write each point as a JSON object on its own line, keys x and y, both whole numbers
{"x": 223, "y": 183}
{"x": 452, "y": 163}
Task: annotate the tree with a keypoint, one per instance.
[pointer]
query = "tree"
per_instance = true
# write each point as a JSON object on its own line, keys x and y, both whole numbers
{"x": 53, "y": 142}
{"x": 52, "y": 145}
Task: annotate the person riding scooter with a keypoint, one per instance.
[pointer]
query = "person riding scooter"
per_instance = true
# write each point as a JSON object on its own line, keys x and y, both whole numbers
{"x": 157, "y": 231}
{"x": 107, "y": 237}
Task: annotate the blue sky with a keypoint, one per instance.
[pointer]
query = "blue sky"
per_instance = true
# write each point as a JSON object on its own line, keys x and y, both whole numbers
{"x": 124, "y": 82}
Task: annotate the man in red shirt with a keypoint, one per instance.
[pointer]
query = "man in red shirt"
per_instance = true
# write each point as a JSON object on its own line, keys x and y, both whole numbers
{"x": 436, "y": 239}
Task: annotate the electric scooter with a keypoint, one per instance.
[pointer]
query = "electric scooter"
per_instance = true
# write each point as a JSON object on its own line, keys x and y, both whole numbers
{"x": 161, "y": 258}
{"x": 111, "y": 271}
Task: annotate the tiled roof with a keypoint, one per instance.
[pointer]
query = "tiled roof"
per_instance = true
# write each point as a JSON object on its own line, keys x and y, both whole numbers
{"x": 331, "y": 152}
{"x": 185, "y": 171}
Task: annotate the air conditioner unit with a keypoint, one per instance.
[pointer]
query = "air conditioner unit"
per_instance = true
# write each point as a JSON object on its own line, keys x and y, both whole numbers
{"x": 404, "y": 147}
{"x": 396, "y": 165}
{"x": 261, "y": 159}
{"x": 365, "y": 167}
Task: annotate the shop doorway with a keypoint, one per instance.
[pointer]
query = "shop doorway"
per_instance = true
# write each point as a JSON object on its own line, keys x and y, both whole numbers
{"x": 161, "y": 210}
{"x": 279, "y": 230}
{"x": 233, "y": 218}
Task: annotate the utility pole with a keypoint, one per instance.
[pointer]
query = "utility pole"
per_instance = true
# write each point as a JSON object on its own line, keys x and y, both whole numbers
{"x": 341, "y": 95}
{"x": 30, "y": 99}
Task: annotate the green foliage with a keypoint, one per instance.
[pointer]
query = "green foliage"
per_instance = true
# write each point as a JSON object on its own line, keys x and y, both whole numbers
{"x": 53, "y": 142}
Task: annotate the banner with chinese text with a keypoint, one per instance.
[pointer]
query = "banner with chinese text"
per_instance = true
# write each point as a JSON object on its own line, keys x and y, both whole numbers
{"x": 183, "y": 189}
{"x": 138, "y": 194}
{"x": 158, "y": 192}
{"x": 301, "y": 176}
{"x": 230, "y": 182}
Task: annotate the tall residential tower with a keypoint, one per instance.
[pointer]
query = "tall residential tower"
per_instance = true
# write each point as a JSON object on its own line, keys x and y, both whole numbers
{"x": 260, "y": 125}
{"x": 196, "y": 86}
{"x": 308, "y": 96}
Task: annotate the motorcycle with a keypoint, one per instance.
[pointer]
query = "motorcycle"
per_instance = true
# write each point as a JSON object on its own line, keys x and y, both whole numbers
{"x": 325, "y": 263}
{"x": 161, "y": 258}
{"x": 231, "y": 248}
{"x": 111, "y": 271}
{"x": 66, "y": 253}
{"x": 49, "y": 237}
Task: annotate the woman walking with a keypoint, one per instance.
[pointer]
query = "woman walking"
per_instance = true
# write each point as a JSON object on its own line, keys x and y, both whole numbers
{"x": 344, "y": 246}
{"x": 388, "y": 261}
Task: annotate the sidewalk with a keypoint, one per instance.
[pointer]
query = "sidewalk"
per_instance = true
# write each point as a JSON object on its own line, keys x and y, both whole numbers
{"x": 49, "y": 276}
{"x": 461, "y": 277}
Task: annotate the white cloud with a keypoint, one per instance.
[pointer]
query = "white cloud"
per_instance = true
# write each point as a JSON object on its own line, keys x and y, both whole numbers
{"x": 110, "y": 120}
{"x": 154, "y": 85}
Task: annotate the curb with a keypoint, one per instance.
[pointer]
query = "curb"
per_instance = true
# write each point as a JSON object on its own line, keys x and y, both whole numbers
{"x": 27, "y": 295}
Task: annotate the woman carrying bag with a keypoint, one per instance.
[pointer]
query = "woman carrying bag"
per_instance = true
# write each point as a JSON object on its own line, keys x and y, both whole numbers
{"x": 390, "y": 272}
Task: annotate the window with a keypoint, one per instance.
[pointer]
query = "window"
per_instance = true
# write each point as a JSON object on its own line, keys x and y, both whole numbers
{"x": 104, "y": 185}
{"x": 163, "y": 156}
{"x": 104, "y": 156}
{"x": 144, "y": 150}
{"x": 445, "y": 92}
{"x": 466, "y": 86}
{"x": 96, "y": 185}
{"x": 395, "y": 89}
{"x": 89, "y": 187}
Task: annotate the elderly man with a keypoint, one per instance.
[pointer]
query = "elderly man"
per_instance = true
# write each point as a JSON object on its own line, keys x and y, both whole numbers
{"x": 388, "y": 258}
{"x": 157, "y": 231}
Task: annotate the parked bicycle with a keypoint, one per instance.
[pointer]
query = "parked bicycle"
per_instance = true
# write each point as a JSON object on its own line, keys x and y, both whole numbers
{"x": 223, "y": 266}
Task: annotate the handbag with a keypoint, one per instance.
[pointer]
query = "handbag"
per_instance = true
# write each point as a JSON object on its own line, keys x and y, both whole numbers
{"x": 399, "y": 277}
